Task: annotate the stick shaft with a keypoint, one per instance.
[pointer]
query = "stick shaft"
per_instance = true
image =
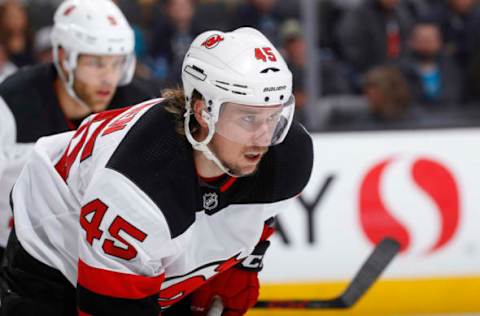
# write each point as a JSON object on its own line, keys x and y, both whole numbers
{"x": 216, "y": 309}
{"x": 368, "y": 273}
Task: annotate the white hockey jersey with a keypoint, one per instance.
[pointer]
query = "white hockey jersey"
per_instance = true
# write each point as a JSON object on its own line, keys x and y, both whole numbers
{"x": 148, "y": 226}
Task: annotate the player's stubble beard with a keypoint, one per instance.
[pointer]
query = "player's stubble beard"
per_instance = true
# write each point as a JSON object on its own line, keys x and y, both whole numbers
{"x": 237, "y": 169}
{"x": 86, "y": 93}
{"x": 232, "y": 155}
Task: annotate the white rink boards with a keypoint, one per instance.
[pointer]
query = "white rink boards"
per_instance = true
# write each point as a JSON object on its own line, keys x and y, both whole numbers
{"x": 421, "y": 187}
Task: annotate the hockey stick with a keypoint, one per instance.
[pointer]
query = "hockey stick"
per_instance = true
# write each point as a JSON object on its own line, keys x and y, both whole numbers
{"x": 369, "y": 272}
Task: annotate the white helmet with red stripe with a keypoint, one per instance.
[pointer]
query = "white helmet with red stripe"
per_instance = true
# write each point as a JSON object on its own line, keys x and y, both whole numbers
{"x": 95, "y": 27}
{"x": 241, "y": 68}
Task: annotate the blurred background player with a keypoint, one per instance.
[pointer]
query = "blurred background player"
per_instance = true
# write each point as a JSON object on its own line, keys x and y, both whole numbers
{"x": 92, "y": 71}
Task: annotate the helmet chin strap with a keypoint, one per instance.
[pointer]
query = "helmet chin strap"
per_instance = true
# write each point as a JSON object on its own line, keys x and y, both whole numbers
{"x": 68, "y": 84}
{"x": 203, "y": 145}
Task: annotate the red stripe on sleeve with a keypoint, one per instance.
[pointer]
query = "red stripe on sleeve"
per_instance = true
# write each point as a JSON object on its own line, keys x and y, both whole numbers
{"x": 117, "y": 284}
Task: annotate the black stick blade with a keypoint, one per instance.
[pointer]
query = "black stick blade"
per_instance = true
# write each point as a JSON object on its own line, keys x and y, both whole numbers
{"x": 369, "y": 272}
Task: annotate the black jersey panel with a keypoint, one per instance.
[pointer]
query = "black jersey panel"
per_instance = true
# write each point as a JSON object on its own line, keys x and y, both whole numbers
{"x": 160, "y": 163}
{"x": 30, "y": 95}
{"x": 130, "y": 94}
{"x": 96, "y": 304}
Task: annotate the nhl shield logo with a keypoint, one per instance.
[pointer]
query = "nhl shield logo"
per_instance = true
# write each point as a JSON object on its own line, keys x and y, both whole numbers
{"x": 210, "y": 201}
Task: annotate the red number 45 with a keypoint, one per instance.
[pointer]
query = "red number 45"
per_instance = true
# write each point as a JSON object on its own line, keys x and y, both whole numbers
{"x": 264, "y": 54}
{"x": 92, "y": 215}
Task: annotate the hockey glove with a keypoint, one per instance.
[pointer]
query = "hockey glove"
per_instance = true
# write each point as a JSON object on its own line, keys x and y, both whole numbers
{"x": 237, "y": 287}
{"x": 238, "y": 290}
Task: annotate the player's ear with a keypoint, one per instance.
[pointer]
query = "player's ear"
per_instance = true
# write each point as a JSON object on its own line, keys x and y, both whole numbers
{"x": 198, "y": 110}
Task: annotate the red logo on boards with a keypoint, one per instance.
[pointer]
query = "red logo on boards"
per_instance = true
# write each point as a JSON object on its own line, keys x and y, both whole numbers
{"x": 431, "y": 177}
{"x": 212, "y": 41}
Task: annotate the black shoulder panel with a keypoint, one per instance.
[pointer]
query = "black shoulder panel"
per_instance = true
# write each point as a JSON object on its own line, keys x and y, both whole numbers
{"x": 131, "y": 94}
{"x": 160, "y": 163}
{"x": 98, "y": 304}
{"x": 29, "y": 93}
{"x": 291, "y": 163}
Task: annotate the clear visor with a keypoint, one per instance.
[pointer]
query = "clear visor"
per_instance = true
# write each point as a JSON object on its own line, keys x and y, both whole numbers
{"x": 255, "y": 125}
{"x": 100, "y": 70}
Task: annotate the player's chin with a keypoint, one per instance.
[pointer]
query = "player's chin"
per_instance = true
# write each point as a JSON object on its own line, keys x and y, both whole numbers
{"x": 100, "y": 104}
{"x": 246, "y": 169}
{"x": 243, "y": 172}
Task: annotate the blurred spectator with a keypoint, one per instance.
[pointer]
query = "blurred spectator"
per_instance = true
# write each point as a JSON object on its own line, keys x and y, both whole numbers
{"x": 6, "y": 66}
{"x": 43, "y": 45}
{"x": 131, "y": 9}
{"x": 459, "y": 21}
{"x": 373, "y": 33}
{"x": 346, "y": 4}
{"x": 385, "y": 103}
{"x": 213, "y": 15}
{"x": 434, "y": 77}
{"x": 15, "y": 33}
{"x": 421, "y": 9}
{"x": 331, "y": 74}
{"x": 289, "y": 9}
{"x": 134, "y": 14}
{"x": 330, "y": 13}
{"x": 40, "y": 12}
{"x": 473, "y": 80}
{"x": 262, "y": 15}
{"x": 171, "y": 39}
{"x": 387, "y": 93}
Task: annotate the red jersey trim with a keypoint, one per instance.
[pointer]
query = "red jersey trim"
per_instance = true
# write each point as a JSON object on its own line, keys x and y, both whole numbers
{"x": 80, "y": 313}
{"x": 228, "y": 184}
{"x": 210, "y": 179}
{"x": 117, "y": 284}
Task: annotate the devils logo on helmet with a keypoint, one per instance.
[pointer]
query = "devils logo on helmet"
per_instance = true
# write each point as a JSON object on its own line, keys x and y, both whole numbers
{"x": 212, "y": 41}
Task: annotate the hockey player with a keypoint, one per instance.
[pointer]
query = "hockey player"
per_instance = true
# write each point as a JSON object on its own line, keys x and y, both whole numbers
{"x": 160, "y": 207}
{"x": 93, "y": 52}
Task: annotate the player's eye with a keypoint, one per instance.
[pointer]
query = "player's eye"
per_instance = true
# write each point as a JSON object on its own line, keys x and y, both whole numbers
{"x": 274, "y": 117}
{"x": 248, "y": 119}
{"x": 119, "y": 63}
